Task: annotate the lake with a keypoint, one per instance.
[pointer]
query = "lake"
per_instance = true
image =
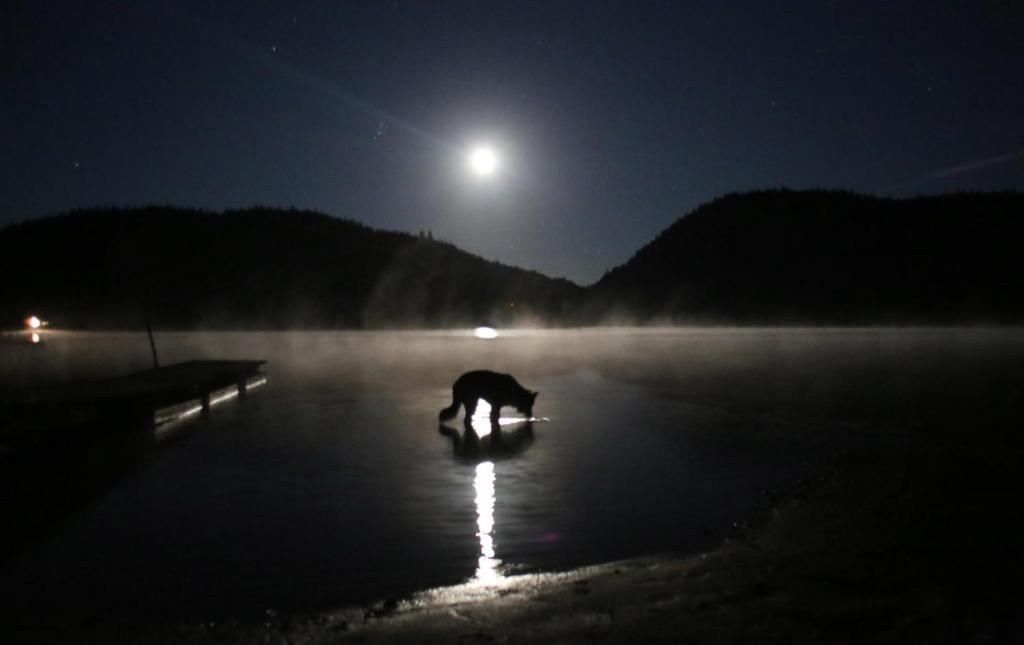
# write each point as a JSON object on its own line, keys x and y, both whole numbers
{"x": 334, "y": 484}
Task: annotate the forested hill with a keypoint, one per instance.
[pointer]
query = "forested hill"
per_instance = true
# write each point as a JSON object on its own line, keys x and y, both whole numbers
{"x": 831, "y": 257}
{"x": 258, "y": 268}
{"x": 769, "y": 257}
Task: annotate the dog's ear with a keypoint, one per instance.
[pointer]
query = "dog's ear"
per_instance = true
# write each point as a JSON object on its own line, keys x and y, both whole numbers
{"x": 533, "y": 396}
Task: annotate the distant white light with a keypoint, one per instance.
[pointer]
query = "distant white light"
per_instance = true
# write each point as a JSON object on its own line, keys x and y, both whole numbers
{"x": 483, "y": 161}
{"x": 36, "y": 338}
{"x": 485, "y": 332}
{"x": 33, "y": 322}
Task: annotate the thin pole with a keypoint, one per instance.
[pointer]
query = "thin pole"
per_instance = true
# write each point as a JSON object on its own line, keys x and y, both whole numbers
{"x": 149, "y": 331}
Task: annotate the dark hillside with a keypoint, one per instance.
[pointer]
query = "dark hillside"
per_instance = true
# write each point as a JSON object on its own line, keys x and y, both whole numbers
{"x": 770, "y": 257}
{"x": 831, "y": 257}
{"x": 258, "y": 268}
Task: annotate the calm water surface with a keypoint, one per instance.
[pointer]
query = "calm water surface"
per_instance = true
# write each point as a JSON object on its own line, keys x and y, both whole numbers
{"x": 334, "y": 484}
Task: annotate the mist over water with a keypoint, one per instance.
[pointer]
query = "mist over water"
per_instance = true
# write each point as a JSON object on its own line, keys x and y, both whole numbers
{"x": 333, "y": 483}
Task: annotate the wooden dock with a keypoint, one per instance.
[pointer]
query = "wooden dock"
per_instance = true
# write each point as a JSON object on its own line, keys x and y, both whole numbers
{"x": 27, "y": 413}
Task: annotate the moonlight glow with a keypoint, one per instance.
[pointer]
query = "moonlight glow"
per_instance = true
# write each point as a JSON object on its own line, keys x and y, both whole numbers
{"x": 483, "y": 161}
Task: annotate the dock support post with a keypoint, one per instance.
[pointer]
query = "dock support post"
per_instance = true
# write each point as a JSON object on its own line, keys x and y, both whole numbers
{"x": 204, "y": 401}
{"x": 149, "y": 332}
{"x": 242, "y": 388}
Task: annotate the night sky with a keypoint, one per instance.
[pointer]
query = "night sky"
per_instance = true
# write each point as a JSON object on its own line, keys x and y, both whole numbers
{"x": 609, "y": 120}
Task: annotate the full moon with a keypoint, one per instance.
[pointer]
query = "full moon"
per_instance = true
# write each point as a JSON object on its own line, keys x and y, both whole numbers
{"x": 483, "y": 161}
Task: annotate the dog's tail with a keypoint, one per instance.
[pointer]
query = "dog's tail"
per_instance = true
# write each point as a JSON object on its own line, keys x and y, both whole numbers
{"x": 451, "y": 411}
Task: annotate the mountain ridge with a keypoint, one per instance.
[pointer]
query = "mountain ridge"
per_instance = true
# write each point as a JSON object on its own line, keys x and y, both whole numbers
{"x": 763, "y": 257}
{"x": 828, "y": 256}
{"x": 255, "y": 268}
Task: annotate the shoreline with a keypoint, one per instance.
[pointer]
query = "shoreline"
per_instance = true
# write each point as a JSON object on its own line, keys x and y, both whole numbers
{"x": 884, "y": 545}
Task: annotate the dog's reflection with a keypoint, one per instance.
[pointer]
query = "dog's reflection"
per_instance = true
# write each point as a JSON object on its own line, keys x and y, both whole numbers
{"x": 501, "y": 441}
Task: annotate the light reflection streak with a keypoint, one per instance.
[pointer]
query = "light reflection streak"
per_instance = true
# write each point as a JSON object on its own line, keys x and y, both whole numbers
{"x": 231, "y": 393}
{"x": 168, "y": 420}
{"x": 481, "y": 419}
{"x": 487, "y": 571}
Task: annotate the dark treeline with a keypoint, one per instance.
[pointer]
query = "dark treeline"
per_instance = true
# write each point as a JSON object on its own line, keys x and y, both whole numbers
{"x": 783, "y": 256}
{"x": 763, "y": 257}
{"x": 258, "y": 268}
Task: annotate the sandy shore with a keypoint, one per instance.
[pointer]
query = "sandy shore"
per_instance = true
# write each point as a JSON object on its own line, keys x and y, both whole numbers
{"x": 916, "y": 541}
